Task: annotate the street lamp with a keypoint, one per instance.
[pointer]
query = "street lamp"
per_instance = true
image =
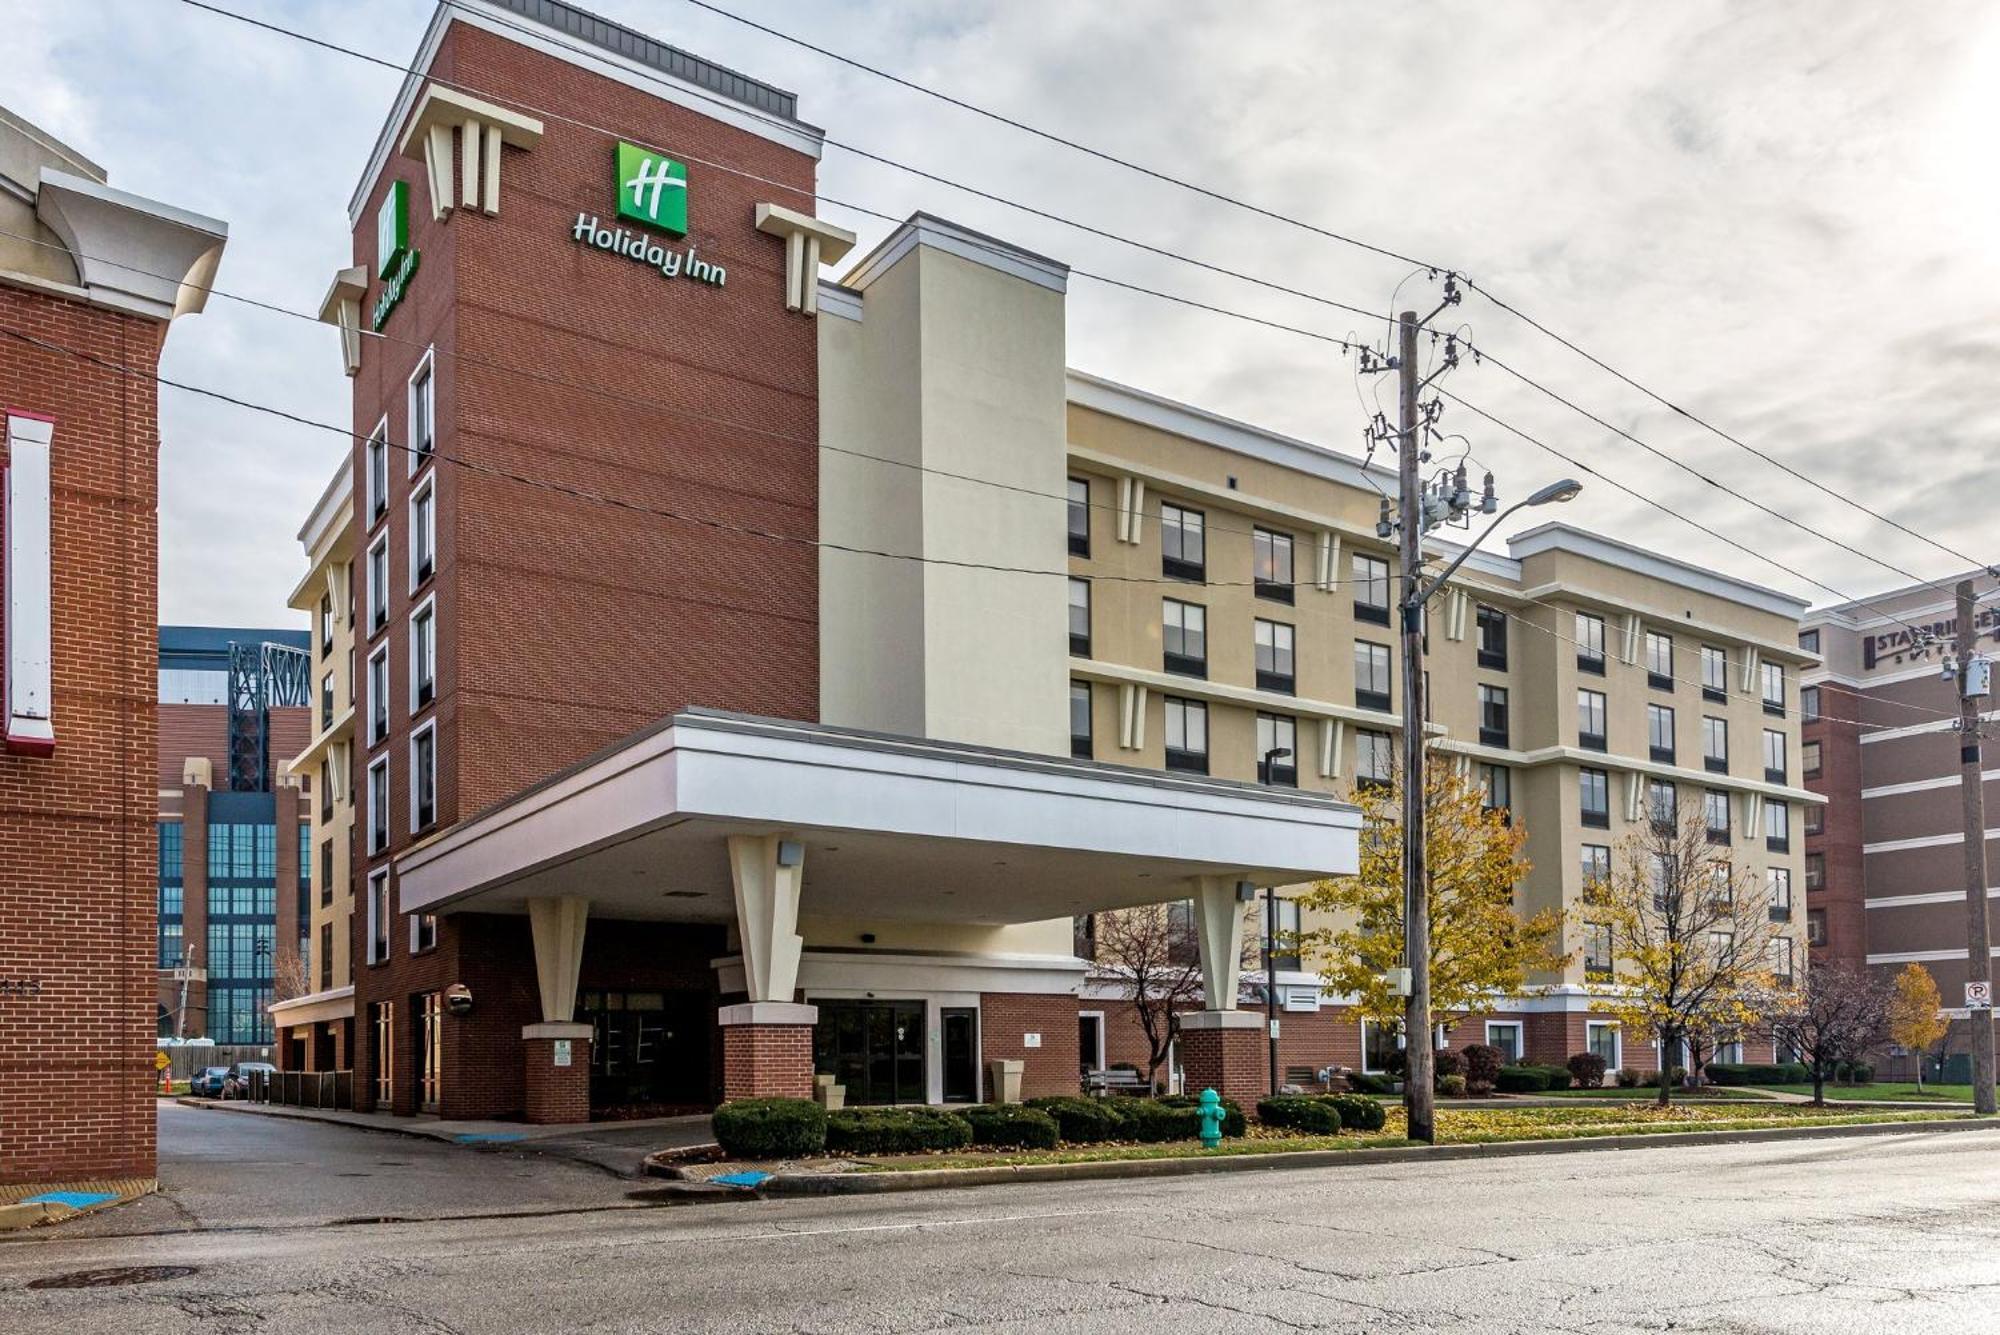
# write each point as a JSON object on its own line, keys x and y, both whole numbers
{"x": 1264, "y": 764}
{"x": 1418, "y": 1101}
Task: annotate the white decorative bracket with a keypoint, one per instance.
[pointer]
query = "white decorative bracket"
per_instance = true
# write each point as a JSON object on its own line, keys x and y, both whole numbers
{"x": 341, "y": 307}
{"x": 27, "y": 556}
{"x": 483, "y": 127}
{"x": 809, "y": 243}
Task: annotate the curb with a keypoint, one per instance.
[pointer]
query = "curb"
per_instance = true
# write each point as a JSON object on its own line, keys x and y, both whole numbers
{"x": 930, "y": 1179}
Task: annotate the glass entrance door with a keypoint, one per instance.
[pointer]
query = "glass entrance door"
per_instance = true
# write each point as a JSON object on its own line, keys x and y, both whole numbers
{"x": 873, "y": 1048}
{"x": 648, "y": 1050}
{"x": 961, "y": 1054}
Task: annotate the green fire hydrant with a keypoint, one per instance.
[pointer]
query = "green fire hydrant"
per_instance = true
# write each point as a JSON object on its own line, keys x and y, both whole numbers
{"x": 1212, "y": 1112}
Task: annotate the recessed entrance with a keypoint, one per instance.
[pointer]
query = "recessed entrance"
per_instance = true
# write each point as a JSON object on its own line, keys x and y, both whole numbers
{"x": 961, "y": 1054}
{"x": 875, "y": 1049}
{"x": 648, "y": 1049}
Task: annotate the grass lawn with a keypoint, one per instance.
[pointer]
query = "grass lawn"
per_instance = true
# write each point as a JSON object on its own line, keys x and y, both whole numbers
{"x": 1888, "y": 1089}
{"x": 1456, "y": 1126}
{"x": 1705, "y": 1092}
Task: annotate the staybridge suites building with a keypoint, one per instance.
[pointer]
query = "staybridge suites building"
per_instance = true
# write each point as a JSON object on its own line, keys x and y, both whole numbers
{"x": 757, "y": 675}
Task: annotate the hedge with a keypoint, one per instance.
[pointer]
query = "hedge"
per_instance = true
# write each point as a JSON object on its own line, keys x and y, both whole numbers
{"x": 1357, "y": 1113}
{"x": 1754, "y": 1073}
{"x": 1010, "y": 1126}
{"x": 1154, "y": 1121}
{"x": 1587, "y": 1069}
{"x": 1234, "y": 1123}
{"x": 1362, "y": 1082}
{"x": 895, "y": 1131}
{"x": 1523, "y": 1079}
{"x": 1482, "y": 1062}
{"x": 770, "y": 1128}
{"x": 1300, "y": 1112}
{"x": 1081, "y": 1121}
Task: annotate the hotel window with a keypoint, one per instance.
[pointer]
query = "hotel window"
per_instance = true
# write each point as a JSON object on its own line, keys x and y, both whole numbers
{"x": 1809, "y": 641}
{"x": 1662, "y": 804}
{"x": 1380, "y": 1043}
{"x": 1183, "y": 550}
{"x": 1274, "y": 657}
{"x": 1722, "y": 947}
{"x": 1714, "y": 673}
{"x": 1815, "y": 818}
{"x": 1079, "y": 617}
{"x": 378, "y": 917}
{"x": 1663, "y": 872}
{"x": 1371, "y": 589}
{"x": 1492, "y": 715}
{"x": 325, "y": 624}
{"x": 1184, "y": 637}
{"x": 1781, "y": 960}
{"x": 1715, "y": 744}
{"x": 1278, "y": 732}
{"x": 1597, "y": 950}
{"x": 378, "y": 695}
{"x": 423, "y": 778}
{"x": 423, "y": 415}
{"x": 1774, "y": 688}
{"x": 1183, "y": 941}
{"x": 1271, "y": 554}
{"x": 1079, "y": 517}
{"x": 1286, "y": 955}
{"x": 1594, "y": 798}
{"x": 325, "y": 956}
{"x": 326, "y": 874}
{"x": 1187, "y": 735}
{"x": 1374, "y": 759}
{"x": 1371, "y": 675}
{"x": 1496, "y": 788}
{"x": 1715, "y": 816}
{"x": 325, "y": 785}
{"x": 1659, "y": 660}
{"x": 378, "y": 805}
{"x": 1809, "y": 760}
{"x": 1808, "y": 703}
{"x": 1774, "y": 755}
{"x": 1778, "y": 889}
{"x": 378, "y": 584}
{"x": 1660, "y": 733}
{"x": 1492, "y": 627}
{"x": 1603, "y": 1039}
{"x": 1815, "y": 871}
{"x": 1777, "y": 827}
{"x": 1505, "y": 1035}
{"x": 378, "y": 472}
{"x": 1594, "y": 861}
{"x": 1590, "y": 643}
{"x": 423, "y": 932}
{"x": 1590, "y": 720}
{"x": 326, "y": 702}
{"x": 1815, "y": 927}
{"x": 1079, "y": 720}
{"x": 423, "y": 532}
{"x": 423, "y": 656}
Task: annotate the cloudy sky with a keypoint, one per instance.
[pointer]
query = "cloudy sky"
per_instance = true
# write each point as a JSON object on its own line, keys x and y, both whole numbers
{"x": 1777, "y": 215}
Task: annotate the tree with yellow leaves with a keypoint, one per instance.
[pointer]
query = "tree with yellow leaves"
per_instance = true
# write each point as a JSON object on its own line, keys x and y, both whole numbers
{"x": 1481, "y": 949}
{"x": 1916, "y": 1014}
{"x": 1690, "y": 936}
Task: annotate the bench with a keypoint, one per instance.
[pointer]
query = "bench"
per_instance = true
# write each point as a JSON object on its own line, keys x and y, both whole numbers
{"x": 1117, "y": 1080}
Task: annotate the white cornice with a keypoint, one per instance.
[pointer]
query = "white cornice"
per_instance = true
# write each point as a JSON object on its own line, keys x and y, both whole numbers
{"x": 923, "y": 229}
{"x": 1624, "y": 556}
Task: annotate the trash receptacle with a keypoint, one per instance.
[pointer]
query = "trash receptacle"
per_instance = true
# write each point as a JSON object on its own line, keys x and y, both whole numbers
{"x": 1003, "y": 1080}
{"x": 829, "y": 1095}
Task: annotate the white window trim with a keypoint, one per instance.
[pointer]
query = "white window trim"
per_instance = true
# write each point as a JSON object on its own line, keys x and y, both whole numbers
{"x": 1617, "y": 1040}
{"x": 381, "y": 544}
{"x": 380, "y": 655}
{"x": 1366, "y": 1069}
{"x": 1097, "y": 1058}
{"x": 421, "y": 491}
{"x": 1520, "y": 1036}
{"x": 425, "y": 364}
{"x": 380, "y": 433}
{"x": 376, "y": 878}
{"x": 429, "y": 727}
{"x": 415, "y": 918}
{"x": 381, "y": 763}
{"x": 429, "y": 605}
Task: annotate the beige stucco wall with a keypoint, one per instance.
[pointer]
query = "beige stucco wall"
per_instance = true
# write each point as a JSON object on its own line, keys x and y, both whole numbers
{"x": 333, "y": 551}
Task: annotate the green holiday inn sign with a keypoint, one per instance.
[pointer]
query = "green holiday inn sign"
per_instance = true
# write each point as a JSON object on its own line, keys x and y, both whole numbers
{"x": 395, "y": 260}
{"x": 652, "y": 189}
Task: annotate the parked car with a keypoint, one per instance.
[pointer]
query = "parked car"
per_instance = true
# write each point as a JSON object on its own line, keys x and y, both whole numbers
{"x": 238, "y": 1084}
{"x": 208, "y": 1081}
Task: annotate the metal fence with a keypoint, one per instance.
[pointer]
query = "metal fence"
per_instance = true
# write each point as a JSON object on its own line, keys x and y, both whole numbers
{"x": 303, "y": 1089}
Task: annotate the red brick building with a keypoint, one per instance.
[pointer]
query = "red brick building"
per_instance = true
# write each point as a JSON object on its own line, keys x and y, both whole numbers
{"x": 84, "y": 310}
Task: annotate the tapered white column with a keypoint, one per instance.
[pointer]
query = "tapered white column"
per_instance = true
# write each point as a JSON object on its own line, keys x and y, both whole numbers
{"x": 765, "y": 871}
{"x": 558, "y": 925}
{"x": 1219, "y": 928}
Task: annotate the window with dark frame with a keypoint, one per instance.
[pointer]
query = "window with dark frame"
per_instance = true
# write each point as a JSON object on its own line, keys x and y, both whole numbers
{"x": 378, "y": 917}
{"x": 1773, "y": 678}
{"x": 1590, "y": 714}
{"x": 1275, "y": 659}
{"x": 1815, "y": 927}
{"x": 1715, "y": 744}
{"x": 1815, "y": 818}
{"x": 1715, "y": 815}
{"x": 1079, "y": 517}
{"x": 1809, "y": 641}
{"x": 1079, "y": 617}
{"x": 423, "y": 418}
{"x": 1371, "y": 589}
{"x": 1079, "y": 720}
{"x": 1186, "y": 735}
{"x": 325, "y": 624}
{"x": 1590, "y": 643}
{"x": 378, "y": 806}
{"x": 1491, "y": 624}
{"x": 1496, "y": 788}
{"x": 1778, "y": 891}
{"x": 326, "y": 874}
{"x": 1815, "y": 871}
{"x": 1777, "y": 827}
{"x": 378, "y": 584}
{"x": 1183, "y": 545}
{"x": 1809, "y": 760}
{"x": 423, "y": 533}
{"x": 1597, "y": 949}
{"x": 1659, "y": 660}
{"x": 378, "y": 695}
{"x": 1662, "y": 804}
{"x": 1493, "y": 730}
{"x": 1660, "y": 733}
{"x": 1184, "y": 637}
{"x": 1372, "y": 685}
{"x": 1594, "y": 798}
{"x": 423, "y": 779}
{"x": 378, "y": 475}
{"x": 1374, "y": 759}
{"x": 1271, "y": 564}
{"x": 1278, "y": 732}
{"x": 1774, "y": 756}
{"x": 1808, "y": 703}
{"x": 1714, "y": 673}
{"x": 423, "y": 657}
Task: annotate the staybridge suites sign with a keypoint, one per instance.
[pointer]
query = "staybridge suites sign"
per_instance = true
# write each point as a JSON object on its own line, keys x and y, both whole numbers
{"x": 653, "y": 190}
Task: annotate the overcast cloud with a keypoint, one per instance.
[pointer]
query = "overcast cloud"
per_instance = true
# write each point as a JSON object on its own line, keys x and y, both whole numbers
{"x": 1780, "y": 215}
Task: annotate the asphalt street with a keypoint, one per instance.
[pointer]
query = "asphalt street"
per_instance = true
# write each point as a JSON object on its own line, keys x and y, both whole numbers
{"x": 1884, "y": 1234}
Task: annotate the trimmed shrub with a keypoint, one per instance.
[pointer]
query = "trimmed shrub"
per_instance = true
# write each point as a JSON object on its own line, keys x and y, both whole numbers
{"x": 1855, "y": 1073}
{"x": 1627, "y": 1078}
{"x": 1010, "y": 1126}
{"x": 1300, "y": 1112}
{"x": 1234, "y": 1123}
{"x": 1154, "y": 1121}
{"x": 1587, "y": 1069}
{"x": 770, "y": 1128}
{"x": 1522, "y": 1080}
{"x": 1482, "y": 1063}
{"x": 895, "y": 1131}
{"x": 1754, "y": 1073}
{"x": 1558, "y": 1076}
{"x": 1451, "y": 1086}
{"x": 1674, "y": 1076}
{"x": 1361, "y": 1082}
{"x": 1445, "y": 1062}
{"x": 1358, "y": 1112}
{"x": 1478, "y": 1089}
{"x": 1081, "y": 1121}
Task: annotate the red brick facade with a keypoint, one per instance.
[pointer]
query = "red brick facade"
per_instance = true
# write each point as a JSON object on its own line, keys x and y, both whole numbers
{"x": 77, "y": 846}
{"x": 557, "y": 1093}
{"x": 1005, "y": 1021}
{"x": 1235, "y": 1063}
{"x": 762, "y": 1061}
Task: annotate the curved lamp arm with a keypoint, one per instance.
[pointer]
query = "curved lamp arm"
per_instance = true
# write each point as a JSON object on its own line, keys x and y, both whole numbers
{"x": 1560, "y": 493}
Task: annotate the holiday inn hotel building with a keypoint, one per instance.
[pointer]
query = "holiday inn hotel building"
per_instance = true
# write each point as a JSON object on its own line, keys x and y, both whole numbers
{"x": 757, "y": 674}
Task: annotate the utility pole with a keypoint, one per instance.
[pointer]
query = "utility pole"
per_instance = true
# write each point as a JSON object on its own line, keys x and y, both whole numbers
{"x": 1974, "y": 686}
{"x": 1418, "y": 1104}
{"x": 1271, "y": 979}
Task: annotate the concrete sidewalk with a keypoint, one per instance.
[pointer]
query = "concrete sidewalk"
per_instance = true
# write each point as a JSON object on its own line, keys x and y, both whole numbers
{"x": 467, "y": 1132}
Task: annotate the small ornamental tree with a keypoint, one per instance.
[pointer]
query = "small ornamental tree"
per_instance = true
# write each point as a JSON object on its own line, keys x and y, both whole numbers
{"x": 1839, "y": 1013}
{"x": 1152, "y": 955}
{"x": 1481, "y": 948}
{"x": 1690, "y": 937}
{"x": 1916, "y": 1014}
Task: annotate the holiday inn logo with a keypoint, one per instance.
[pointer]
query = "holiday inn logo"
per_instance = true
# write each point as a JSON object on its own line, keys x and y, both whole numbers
{"x": 652, "y": 189}
{"x": 395, "y": 259}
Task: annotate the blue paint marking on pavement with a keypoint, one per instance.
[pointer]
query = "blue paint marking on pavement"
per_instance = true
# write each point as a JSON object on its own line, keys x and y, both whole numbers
{"x": 75, "y": 1200}
{"x": 486, "y": 1137}
{"x": 741, "y": 1179}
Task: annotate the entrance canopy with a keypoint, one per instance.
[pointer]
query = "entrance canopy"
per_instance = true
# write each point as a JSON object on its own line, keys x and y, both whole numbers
{"x": 881, "y": 827}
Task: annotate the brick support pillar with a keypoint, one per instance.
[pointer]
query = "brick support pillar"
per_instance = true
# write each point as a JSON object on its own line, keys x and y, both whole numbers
{"x": 1225, "y": 1051}
{"x": 558, "y": 1072}
{"x": 767, "y": 1050}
